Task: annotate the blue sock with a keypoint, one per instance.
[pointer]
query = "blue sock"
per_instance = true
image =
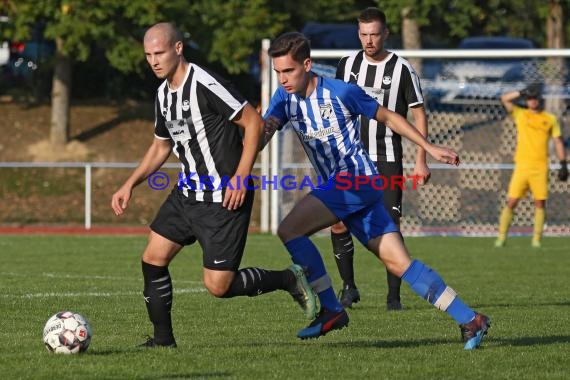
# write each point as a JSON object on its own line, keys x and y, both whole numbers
{"x": 304, "y": 253}
{"x": 430, "y": 286}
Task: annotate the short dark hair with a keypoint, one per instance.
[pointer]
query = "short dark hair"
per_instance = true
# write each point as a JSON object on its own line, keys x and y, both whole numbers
{"x": 293, "y": 43}
{"x": 533, "y": 91}
{"x": 371, "y": 14}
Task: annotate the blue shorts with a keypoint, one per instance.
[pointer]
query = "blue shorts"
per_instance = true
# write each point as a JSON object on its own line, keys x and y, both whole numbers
{"x": 361, "y": 210}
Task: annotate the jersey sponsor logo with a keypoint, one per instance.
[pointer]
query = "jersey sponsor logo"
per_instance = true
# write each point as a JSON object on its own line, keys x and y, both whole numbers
{"x": 319, "y": 134}
{"x": 387, "y": 80}
{"x": 354, "y": 75}
{"x": 178, "y": 129}
{"x": 185, "y": 105}
{"x": 326, "y": 110}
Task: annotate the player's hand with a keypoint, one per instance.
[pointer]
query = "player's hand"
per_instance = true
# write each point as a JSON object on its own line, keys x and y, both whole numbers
{"x": 443, "y": 154}
{"x": 120, "y": 199}
{"x": 563, "y": 171}
{"x": 422, "y": 173}
{"x": 235, "y": 193}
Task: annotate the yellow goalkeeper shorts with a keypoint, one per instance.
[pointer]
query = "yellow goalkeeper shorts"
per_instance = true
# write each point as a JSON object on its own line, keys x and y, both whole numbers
{"x": 535, "y": 179}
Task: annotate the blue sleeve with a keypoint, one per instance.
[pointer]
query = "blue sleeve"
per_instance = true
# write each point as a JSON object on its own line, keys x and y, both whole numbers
{"x": 356, "y": 100}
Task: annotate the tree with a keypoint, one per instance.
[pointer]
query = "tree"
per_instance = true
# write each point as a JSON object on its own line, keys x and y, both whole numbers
{"x": 228, "y": 31}
{"x": 76, "y": 26}
{"x": 449, "y": 21}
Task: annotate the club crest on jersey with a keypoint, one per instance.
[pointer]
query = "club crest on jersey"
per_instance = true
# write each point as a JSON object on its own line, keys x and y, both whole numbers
{"x": 387, "y": 80}
{"x": 326, "y": 111}
{"x": 185, "y": 105}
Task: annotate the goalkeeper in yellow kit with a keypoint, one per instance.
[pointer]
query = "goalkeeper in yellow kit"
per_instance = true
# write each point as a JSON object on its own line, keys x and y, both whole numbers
{"x": 534, "y": 129}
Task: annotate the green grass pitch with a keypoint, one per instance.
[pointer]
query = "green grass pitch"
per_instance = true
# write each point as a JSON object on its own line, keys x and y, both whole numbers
{"x": 525, "y": 292}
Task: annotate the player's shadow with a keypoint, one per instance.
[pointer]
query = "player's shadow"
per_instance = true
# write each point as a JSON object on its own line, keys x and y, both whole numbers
{"x": 533, "y": 340}
{"x": 392, "y": 343}
{"x": 192, "y": 375}
{"x": 530, "y": 303}
{"x": 488, "y": 341}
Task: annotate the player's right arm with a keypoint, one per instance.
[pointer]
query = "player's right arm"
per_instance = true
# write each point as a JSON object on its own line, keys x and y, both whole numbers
{"x": 275, "y": 117}
{"x": 508, "y": 98}
{"x": 153, "y": 159}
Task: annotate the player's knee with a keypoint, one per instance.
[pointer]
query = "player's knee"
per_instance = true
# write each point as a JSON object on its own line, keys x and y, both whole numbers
{"x": 216, "y": 289}
{"x": 512, "y": 203}
{"x": 154, "y": 258}
{"x": 396, "y": 267}
{"x": 338, "y": 228}
{"x": 285, "y": 232}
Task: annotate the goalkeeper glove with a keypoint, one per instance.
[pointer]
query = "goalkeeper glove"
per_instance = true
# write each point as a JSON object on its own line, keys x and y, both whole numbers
{"x": 563, "y": 171}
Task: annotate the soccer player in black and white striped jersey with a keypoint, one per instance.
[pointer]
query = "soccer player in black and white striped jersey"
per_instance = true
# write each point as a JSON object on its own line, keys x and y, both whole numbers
{"x": 197, "y": 118}
{"x": 393, "y": 82}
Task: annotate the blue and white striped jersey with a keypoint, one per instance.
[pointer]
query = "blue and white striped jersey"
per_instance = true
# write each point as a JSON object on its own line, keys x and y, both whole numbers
{"x": 327, "y": 124}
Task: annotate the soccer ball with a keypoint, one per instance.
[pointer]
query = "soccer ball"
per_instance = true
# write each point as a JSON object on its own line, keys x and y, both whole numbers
{"x": 67, "y": 332}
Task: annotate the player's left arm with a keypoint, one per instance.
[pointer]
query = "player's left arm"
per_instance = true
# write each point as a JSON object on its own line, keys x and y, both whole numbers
{"x": 402, "y": 127}
{"x": 561, "y": 154}
{"x": 358, "y": 102}
{"x": 421, "y": 170}
{"x": 252, "y": 123}
{"x": 560, "y": 149}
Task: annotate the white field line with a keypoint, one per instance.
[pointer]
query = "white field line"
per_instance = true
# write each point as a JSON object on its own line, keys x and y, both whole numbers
{"x": 87, "y": 277}
{"x": 92, "y": 294}
{"x": 177, "y": 290}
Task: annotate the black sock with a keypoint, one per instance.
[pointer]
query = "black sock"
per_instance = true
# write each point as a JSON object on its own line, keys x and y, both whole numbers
{"x": 343, "y": 249}
{"x": 158, "y": 299}
{"x": 252, "y": 282}
{"x": 394, "y": 284}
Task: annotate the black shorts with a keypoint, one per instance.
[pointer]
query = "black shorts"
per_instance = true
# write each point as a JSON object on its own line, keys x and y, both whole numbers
{"x": 221, "y": 233}
{"x": 393, "y": 171}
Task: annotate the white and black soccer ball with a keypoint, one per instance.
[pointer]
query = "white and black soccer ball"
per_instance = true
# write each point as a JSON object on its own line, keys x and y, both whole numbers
{"x": 67, "y": 332}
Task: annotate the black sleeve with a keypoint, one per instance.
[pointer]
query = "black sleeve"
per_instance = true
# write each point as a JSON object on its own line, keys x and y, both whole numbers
{"x": 160, "y": 129}
{"x": 222, "y": 97}
{"x": 340, "y": 68}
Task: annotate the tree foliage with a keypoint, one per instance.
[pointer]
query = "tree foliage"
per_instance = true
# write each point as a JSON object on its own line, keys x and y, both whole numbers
{"x": 228, "y": 32}
{"x": 451, "y": 20}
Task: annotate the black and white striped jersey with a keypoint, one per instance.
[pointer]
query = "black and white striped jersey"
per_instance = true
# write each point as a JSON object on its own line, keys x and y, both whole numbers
{"x": 196, "y": 117}
{"x": 395, "y": 85}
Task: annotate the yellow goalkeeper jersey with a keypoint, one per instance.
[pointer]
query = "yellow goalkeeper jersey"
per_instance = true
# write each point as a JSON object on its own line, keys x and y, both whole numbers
{"x": 534, "y": 129}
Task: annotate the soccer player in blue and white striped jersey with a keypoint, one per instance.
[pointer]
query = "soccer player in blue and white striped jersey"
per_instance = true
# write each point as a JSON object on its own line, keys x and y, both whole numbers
{"x": 324, "y": 114}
